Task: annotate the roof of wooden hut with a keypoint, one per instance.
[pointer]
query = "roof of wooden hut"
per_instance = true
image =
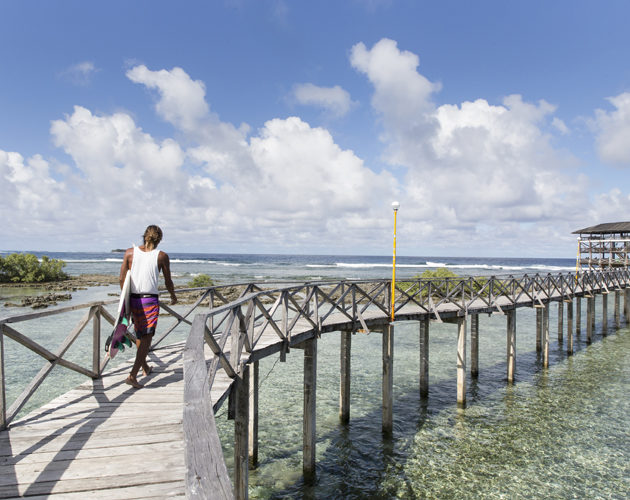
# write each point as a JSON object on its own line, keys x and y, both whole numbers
{"x": 606, "y": 228}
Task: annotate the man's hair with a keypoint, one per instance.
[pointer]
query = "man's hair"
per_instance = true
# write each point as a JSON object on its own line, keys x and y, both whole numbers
{"x": 152, "y": 237}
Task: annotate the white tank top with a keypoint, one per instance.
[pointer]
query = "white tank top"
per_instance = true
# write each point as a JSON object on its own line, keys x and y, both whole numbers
{"x": 144, "y": 271}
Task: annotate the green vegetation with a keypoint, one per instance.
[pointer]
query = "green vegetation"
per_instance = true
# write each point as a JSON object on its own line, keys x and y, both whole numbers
{"x": 26, "y": 268}
{"x": 201, "y": 281}
{"x": 447, "y": 279}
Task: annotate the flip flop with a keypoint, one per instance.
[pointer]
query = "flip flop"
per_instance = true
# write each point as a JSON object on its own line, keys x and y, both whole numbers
{"x": 133, "y": 383}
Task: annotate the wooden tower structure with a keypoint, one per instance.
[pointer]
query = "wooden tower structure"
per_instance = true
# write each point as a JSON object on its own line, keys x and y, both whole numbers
{"x": 604, "y": 246}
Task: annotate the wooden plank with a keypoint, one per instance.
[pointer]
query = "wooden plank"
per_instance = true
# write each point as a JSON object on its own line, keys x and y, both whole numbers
{"x": 345, "y": 351}
{"x": 309, "y": 430}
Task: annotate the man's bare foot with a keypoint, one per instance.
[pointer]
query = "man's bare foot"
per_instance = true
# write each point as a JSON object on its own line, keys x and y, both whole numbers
{"x": 147, "y": 370}
{"x": 133, "y": 382}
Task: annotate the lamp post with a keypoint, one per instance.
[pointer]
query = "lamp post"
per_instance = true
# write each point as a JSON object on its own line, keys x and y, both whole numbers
{"x": 395, "y": 206}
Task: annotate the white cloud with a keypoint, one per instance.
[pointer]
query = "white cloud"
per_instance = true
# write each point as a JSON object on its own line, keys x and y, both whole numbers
{"x": 182, "y": 100}
{"x": 613, "y": 140}
{"x": 80, "y": 73}
{"x": 469, "y": 165}
{"x": 335, "y": 100}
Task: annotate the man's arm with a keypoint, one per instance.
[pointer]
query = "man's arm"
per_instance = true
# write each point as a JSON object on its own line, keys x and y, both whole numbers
{"x": 126, "y": 265}
{"x": 164, "y": 265}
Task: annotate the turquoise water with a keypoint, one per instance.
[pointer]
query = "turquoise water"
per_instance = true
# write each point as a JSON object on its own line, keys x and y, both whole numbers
{"x": 556, "y": 433}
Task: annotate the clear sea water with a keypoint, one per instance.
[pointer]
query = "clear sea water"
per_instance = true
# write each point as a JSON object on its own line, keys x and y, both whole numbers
{"x": 559, "y": 433}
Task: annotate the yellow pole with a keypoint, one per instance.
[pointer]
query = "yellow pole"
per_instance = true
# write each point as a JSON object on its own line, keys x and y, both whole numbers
{"x": 395, "y": 206}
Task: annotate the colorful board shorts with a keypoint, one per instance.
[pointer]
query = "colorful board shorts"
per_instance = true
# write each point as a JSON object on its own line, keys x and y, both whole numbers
{"x": 145, "y": 310}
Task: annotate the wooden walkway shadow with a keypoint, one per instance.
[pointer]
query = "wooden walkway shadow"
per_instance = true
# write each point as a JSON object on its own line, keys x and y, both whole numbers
{"x": 87, "y": 443}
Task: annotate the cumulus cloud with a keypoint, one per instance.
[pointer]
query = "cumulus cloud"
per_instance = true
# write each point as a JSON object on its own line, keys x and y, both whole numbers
{"x": 469, "y": 165}
{"x": 80, "y": 73}
{"x": 335, "y": 100}
{"x": 613, "y": 128}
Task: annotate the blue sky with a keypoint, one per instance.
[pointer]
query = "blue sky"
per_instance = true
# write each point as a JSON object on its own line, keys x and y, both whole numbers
{"x": 290, "y": 126}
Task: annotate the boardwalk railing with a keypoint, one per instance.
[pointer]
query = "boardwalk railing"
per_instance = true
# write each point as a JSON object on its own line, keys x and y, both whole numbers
{"x": 95, "y": 312}
{"x": 296, "y": 313}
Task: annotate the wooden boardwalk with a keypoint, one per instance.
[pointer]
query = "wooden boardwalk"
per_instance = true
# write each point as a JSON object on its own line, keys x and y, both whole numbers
{"x": 105, "y": 439}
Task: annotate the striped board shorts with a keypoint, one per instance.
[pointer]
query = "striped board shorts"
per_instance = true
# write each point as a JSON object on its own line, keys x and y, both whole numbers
{"x": 145, "y": 310}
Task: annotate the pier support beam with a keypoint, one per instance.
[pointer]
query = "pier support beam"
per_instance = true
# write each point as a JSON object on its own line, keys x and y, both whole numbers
{"x": 344, "y": 386}
{"x": 96, "y": 343}
{"x": 310, "y": 400}
{"x": 560, "y": 320}
{"x": 545, "y": 339}
{"x": 474, "y": 345}
{"x": 578, "y": 315}
{"x": 511, "y": 344}
{"x": 593, "y": 314}
{"x": 569, "y": 326}
{"x": 253, "y": 415}
{"x": 617, "y": 316}
{"x": 539, "y": 327}
{"x": 589, "y": 319}
{"x": 424, "y": 356}
{"x": 388, "y": 379}
{"x": 241, "y": 440}
{"x": 605, "y": 313}
{"x": 461, "y": 361}
{"x": 626, "y": 303}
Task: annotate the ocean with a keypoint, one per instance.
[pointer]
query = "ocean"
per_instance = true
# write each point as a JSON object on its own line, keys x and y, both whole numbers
{"x": 556, "y": 433}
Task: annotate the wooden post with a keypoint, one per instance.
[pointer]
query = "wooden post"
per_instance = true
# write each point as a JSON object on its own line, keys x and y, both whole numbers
{"x": 589, "y": 319}
{"x": 605, "y": 312}
{"x": 310, "y": 400}
{"x": 253, "y": 415}
{"x": 539, "y": 327}
{"x": 626, "y": 303}
{"x": 96, "y": 342}
{"x": 474, "y": 345}
{"x": 3, "y": 400}
{"x": 578, "y": 315}
{"x": 461, "y": 361}
{"x": 344, "y": 385}
{"x": 241, "y": 439}
{"x": 570, "y": 326}
{"x": 593, "y": 296}
{"x": 545, "y": 339}
{"x": 511, "y": 344}
{"x": 560, "y": 320}
{"x": 388, "y": 378}
{"x": 424, "y": 356}
{"x": 617, "y": 315}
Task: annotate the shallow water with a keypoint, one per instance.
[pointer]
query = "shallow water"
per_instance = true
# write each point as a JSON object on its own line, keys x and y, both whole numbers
{"x": 556, "y": 433}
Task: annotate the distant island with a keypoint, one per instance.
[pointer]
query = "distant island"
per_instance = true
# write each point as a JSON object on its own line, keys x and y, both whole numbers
{"x": 119, "y": 250}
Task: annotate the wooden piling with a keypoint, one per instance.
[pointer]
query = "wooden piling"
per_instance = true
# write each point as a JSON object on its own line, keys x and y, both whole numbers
{"x": 253, "y": 415}
{"x": 388, "y": 379}
{"x": 605, "y": 313}
{"x": 593, "y": 313}
{"x": 474, "y": 345}
{"x": 310, "y": 399}
{"x": 241, "y": 439}
{"x": 569, "y": 326}
{"x": 560, "y": 320}
{"x": 539, "y": 327}
{"x": 545, "y": 339}
{"x": 344, "y": 386}
{"x": 626, "y": 303}
{"x": 511, "y": 344}
{"x": 589, "y": 319}
{"x": 617, "y": 315}
{"x": 461, "y": 361}
{"x": 424, "y": 356}
{"x": 578, "y": 315}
